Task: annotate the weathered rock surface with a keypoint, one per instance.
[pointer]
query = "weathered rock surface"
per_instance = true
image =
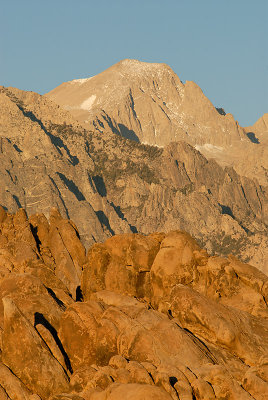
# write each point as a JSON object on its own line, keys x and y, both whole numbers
{"x": 109, "y": 185}
{"x": 25, "y": 353}
{"x": 153, "y": 316}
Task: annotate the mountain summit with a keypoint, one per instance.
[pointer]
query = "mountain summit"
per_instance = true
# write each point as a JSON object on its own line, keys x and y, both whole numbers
{"x": 148, "y": 103}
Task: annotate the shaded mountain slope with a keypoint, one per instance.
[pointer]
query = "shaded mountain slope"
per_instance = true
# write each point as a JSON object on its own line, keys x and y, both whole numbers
{"x": 108, "y": 184}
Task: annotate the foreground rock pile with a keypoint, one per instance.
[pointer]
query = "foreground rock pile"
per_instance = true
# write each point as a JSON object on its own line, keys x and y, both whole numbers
{"x": 137, "y": 317}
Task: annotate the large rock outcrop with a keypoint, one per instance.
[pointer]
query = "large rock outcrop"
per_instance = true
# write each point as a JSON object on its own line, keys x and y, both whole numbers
{"x": 153, "y": 316}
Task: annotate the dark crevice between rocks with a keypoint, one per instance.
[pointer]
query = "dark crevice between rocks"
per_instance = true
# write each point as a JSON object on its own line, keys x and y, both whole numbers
{"x": 57, "y": 300}
{"x": 66, "y": 248}
{"x": 173, "y": 380}
{"x": 201, "y": 345}
{"x": 211, "y": 388}
{"x": 5, "y": 392}
{"x": 151, "y": 376}
{"x": 264, "y": 299}
{"x": 39, "y": 319}
{"x": 78, "y": 294}
{"x": 23, "y": 385}
{"x": 170, "y": 316}
{"x": 141, "y": 280}
{"x": 35, "y": 235}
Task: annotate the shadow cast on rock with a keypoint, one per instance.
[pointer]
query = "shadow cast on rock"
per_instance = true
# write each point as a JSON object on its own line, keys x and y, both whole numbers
{"x": 120, "y": 214}
{"x": 72, "y": 187}
{"x": 104, "y": 221}
{"x": 252, "y": 137}
{"x": 39, "y": 319}
{"x": 128, "y": 133}
{"x": 56, "y": 141}
{"x": 100, "y": 185}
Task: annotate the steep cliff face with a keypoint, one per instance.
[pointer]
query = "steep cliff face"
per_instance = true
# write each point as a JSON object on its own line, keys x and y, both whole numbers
{"x": 148, "y": 103}
{"x": 108, "y": 184}
{"x": 136, "y": 317}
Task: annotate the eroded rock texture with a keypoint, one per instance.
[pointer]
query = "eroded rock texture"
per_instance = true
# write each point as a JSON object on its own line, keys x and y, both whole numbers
{"x": 137, "y": 317}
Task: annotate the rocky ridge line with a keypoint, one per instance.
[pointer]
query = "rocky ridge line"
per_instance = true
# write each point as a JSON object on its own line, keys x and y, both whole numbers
{"x": 108, "y": 184}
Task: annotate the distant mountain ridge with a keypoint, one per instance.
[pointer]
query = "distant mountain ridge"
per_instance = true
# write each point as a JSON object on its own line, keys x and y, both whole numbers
{"x": 143, "y": 97}
{"x": 107, "y": 184}
{"x": 147, "y": 102}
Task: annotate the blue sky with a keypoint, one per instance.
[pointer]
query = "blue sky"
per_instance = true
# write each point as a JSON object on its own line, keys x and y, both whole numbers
{"x": 221, "y": 45}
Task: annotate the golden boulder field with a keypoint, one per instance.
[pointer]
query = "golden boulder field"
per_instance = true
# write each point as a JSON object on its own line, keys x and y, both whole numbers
{"x": 136, "y": 317}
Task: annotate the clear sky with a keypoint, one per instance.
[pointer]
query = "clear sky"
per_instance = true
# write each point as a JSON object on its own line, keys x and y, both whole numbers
{"x": 221, "y": 45}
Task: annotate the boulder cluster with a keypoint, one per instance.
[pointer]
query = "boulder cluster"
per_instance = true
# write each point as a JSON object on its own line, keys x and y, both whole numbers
{"x": 136, "y": 317}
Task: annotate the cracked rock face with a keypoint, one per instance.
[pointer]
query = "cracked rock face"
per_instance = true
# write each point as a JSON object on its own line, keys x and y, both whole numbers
{"x": 136, "y": 317}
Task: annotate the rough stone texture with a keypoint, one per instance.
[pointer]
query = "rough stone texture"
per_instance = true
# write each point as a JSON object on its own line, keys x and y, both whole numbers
{"x": 152, "y": 316}
{"x": 121, "y": 265}
{"x": 132, "y": 391}
{"x": 26, "y": 355}
{"x": 10, "y": 386}
{"x": 107, "y": 184}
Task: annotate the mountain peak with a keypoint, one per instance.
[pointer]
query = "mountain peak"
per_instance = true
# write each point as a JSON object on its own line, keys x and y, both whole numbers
{"x": 132, "y": 63}
{"x": 141, "y": 68}
{"x": 146, "y": 102}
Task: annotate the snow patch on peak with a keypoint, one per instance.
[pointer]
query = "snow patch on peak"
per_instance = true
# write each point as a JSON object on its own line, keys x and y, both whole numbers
{"x": 208, "y": 147}
{"x": 80, "y": 81}
{"x": 88, "y": 103}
